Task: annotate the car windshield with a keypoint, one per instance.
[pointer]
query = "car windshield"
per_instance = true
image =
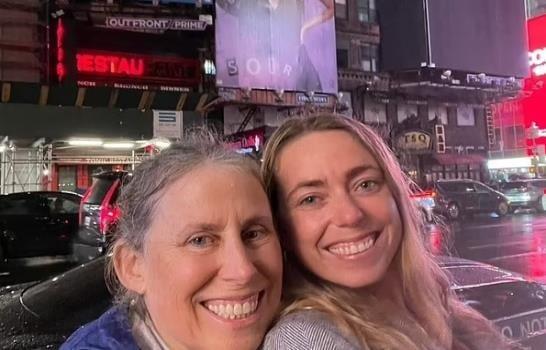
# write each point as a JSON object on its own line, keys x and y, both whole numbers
{"x": 517, "y": 185}
{"x": 99, "y": 190}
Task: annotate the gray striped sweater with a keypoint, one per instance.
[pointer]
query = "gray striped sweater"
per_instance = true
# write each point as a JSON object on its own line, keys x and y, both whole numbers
{"x": 307, "y": 330}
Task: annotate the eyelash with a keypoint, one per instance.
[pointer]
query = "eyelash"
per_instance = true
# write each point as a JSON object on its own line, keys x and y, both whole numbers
{"x": 260, "y": 233}
{"x": 374, "y": 184}
{"x": 192, "y": 241}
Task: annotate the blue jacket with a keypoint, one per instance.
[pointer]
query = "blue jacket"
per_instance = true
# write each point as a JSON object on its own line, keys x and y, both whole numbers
{"x": 108, "y": 332}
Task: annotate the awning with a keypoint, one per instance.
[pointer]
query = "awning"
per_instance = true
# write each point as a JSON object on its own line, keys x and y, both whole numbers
{"x": 459, "y": 159}
{"x": 70, "y": 95}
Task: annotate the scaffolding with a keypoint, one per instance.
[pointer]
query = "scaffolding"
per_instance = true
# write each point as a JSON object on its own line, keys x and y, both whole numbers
{"x": 25, "y": 169}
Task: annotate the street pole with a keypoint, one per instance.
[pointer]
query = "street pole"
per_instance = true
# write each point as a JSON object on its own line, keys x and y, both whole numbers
{"x": 534, "y": 134}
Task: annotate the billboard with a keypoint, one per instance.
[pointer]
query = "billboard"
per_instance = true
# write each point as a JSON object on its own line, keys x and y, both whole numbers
{"x": 485, "y": 36}
{"x": 276, "y": 45}
{"x": 537, "y": 46}
{"x": 145, "y": 53}
{"x": 480, "y": 36}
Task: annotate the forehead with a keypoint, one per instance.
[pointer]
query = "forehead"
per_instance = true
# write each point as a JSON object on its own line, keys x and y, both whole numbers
{"x": 211, "y": 186}
{"x": 330, "y": 148}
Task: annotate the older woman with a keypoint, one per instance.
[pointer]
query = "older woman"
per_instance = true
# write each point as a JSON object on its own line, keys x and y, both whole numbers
{"x": 196, "y": 256}
{"x": 357, "y": 273}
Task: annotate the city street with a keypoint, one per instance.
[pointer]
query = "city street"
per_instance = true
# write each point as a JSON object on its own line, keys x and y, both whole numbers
{"x": 515, "y": 243}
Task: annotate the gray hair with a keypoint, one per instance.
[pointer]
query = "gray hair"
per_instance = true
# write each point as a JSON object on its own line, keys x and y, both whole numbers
{"x": 140, "y": 195}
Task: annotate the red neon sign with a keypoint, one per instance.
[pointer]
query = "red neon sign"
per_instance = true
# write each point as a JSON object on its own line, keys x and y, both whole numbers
{"x": 60, "y": 36}
{"x": 115, "y": 65}
{"x": 137, "y": 68}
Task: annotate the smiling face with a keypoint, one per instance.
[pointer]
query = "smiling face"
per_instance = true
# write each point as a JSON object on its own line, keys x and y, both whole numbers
{"x": 343, "y": 220}
{"x": 211, "y": 269}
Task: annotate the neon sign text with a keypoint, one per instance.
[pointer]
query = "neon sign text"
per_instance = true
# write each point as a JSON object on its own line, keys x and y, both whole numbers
{"x": 110, "y": 65}
{"x": 60, "y": 68}
{"x": 537, "y": 61}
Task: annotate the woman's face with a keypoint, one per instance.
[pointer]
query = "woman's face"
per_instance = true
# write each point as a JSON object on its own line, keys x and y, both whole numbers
{"x": 344, "y": 222}
{"x": 212, "y": 265}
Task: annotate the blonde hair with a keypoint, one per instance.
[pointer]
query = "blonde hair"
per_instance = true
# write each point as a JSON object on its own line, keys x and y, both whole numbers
{"x": 436, "y": 318}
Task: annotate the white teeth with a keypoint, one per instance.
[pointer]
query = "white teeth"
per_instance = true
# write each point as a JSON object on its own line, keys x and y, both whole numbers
{"x": 232, "y": 311}
{"x": 353, "y": 248}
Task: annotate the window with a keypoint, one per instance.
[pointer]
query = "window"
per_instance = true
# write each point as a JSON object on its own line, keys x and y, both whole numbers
{"x": 369, "y": 54}
{"x": 465, "y": 115}
{"x": 341, "y": 9}
{"x": 366, "y": 11}
{"x": 342, "y": 58}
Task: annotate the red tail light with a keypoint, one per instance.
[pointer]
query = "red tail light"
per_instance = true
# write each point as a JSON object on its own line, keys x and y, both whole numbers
{"x": 109, "y": 212}
{"x": 83, "y": 201}
{"x": 424, "y": 194}
{"x": 108, "y": 216}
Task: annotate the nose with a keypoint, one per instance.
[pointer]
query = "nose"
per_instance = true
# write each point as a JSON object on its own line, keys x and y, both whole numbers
{"x": 346, "y": 211}
{"x": 237, "y": 265}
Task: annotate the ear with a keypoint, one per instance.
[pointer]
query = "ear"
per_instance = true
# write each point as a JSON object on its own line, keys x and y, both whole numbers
{"x": 129, "y": 266}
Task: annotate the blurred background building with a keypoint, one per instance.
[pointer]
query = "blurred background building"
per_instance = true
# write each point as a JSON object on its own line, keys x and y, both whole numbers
{"x": 91, "y": 85}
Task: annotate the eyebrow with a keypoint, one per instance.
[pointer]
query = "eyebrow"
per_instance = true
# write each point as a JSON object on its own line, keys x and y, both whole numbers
{"x": 361, "y": 169}
{"x": 320, "y": 183}
{"x": 211, "y": 227}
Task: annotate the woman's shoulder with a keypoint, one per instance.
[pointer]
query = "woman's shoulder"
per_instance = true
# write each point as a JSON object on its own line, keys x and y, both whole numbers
{"x": 307, "y": 329}
{"x": 110, "y": 331}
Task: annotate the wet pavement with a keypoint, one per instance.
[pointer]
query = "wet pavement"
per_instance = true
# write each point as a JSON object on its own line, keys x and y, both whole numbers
{"x": 515, "y": 243}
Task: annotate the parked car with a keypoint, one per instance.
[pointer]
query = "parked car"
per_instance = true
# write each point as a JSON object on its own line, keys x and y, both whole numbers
{"x": 43, "y": 315}
{"x": 455, "y": 198}
{"x": 426, "y": 203}
{"x": 98, "y": 216}
{"x": 525, "y": 193}
{"x": 36, "y": 224}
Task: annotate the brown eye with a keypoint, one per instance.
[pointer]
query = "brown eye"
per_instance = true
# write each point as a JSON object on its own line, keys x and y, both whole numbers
{"x": 367, "y": 186}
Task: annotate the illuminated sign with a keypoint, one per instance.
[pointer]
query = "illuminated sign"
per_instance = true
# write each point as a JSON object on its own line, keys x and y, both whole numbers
{"x": 537, "y": 45}
{"x": 414, "y": 141}
{"x": 131, "y": 68}
{"x": 155, "y": 24}
{"x": 60, "y": 68}
{"x": 537, "y": 61}
{"x": 284, "y": 45}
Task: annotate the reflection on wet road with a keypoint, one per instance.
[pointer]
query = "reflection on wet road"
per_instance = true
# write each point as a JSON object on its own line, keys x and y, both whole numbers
{"x": 515, "y": 243}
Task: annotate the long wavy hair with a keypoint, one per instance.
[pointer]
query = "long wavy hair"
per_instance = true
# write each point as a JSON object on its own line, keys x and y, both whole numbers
{"x": 435, "y": 318}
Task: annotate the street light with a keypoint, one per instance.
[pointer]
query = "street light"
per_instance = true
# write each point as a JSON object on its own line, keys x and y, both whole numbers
{"x": 534, "y": 132}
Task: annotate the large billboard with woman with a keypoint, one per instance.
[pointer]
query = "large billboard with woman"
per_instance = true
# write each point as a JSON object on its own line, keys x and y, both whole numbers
{"x": 276, "y": 44}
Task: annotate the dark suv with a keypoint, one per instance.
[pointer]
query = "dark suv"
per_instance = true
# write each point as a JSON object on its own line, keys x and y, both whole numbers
{"x": 459, "y": 197}
{"x": 98, "y": 215}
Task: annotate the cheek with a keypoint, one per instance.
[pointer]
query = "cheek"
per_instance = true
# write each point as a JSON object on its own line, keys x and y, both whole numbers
{"x": 306, "y": 228}
{"x": 174, "y": 279}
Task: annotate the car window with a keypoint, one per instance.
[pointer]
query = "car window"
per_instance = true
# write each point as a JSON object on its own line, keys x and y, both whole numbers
{"x": 515, "y": 185}
{"x": 482, "y": 188}
{"x": 62, "y": 205}
{"x": 468, "y": 188}
{"x": 27, "y": 205}
{"x": 98, "y": 190}
{"x": 539, "y": 183}
{"x": 449, "y": 186}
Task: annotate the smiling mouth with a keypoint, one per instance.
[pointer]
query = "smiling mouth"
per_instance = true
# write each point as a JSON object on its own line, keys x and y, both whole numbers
{"x": 354, "y": 248}
{"x": 234, "y": 309}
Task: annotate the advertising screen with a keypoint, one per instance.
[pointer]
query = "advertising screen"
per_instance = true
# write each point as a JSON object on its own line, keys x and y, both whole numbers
{"x": 537, "y": 46}
{"x": 479, "y": 36}
{"x": 485, "y": 36}
{"x": 277, "y": 45}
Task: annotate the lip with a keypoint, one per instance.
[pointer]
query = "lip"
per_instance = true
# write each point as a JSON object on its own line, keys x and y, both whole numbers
{"x": 237, "y": 323}
{"x": 355, "y": 239}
